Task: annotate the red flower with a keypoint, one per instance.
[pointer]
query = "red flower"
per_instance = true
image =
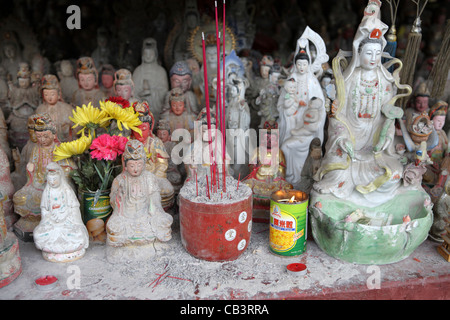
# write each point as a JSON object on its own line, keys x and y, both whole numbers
{"x": 119, "y": 100}
{"x": 107, "y": 147}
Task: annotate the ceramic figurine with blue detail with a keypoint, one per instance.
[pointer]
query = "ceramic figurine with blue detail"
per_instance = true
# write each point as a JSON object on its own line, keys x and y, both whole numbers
{"x": 363, "y": 210}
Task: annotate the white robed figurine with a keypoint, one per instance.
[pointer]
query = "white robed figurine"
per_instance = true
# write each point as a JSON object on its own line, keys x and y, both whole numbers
{"x": 61, "y": 233}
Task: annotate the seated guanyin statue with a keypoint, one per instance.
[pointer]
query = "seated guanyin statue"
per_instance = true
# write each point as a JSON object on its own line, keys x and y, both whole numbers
{"x": 361, "y": 186}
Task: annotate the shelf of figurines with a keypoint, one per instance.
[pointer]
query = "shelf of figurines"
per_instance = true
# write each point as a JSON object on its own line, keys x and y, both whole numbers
{"x": 349, "y": 150}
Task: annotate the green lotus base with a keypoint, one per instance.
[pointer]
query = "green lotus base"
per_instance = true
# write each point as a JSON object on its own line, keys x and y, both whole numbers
{"x": 367, "y": 241}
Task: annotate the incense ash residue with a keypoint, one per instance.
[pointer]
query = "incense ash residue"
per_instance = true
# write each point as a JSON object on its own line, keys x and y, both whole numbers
{"x": 235, "y": 191}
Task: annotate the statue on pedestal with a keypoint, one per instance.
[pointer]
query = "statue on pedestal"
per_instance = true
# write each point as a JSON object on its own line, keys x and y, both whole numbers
{"x": 61, "y": 233}
{"x": 138, "y": 226}
{"x": 364, "y": 197}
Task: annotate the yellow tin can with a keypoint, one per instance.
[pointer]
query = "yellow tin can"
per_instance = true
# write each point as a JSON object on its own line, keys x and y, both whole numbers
{"x": 288, "y": 222}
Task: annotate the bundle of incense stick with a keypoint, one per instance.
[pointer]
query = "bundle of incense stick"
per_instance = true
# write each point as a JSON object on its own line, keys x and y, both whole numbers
{"x": 220, "y": 107}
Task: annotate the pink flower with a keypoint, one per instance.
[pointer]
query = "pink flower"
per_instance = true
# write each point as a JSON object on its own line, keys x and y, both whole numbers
{"x": 106, "y": 147}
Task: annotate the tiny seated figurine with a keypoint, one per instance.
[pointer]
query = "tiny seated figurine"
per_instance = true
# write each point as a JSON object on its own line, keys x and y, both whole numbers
{"x": 59, "y": 111}
{"x": 267, "y": 170}
{"x": 205, "y": 151}
{"x": 178, "y": 117}
{"x": 88, "y": 90}
{"x": 158, "y": 158}
{"x": 61, "y": 233}
{"x": 106, "y": 73}
{"x": 138, "y": 225}
{"x": 173, "y": 172}
{"x": 67, "y": 80}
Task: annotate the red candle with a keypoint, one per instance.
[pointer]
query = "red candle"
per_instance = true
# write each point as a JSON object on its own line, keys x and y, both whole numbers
{"x": 46, "y": 282}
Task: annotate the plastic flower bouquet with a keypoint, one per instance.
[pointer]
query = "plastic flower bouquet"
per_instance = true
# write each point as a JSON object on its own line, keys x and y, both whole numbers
{"x": 101, "y": 143}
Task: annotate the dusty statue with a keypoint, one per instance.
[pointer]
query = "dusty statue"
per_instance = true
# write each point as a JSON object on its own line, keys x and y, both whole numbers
{"x": 27, "y": 200}
{"x": 150, "y": 79}
{"x": 363, "y": 196}
{"x": 88, "y": 89}
{"x": 157, "y": 159}
{"x": 138, "y": 227}
{"x": 58, "y": 110}
{"x": 61, "y": 233}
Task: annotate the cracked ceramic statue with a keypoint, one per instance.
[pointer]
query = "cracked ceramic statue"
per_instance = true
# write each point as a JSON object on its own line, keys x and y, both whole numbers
{"x": 24, "y": 99}
{"x": 58, "y": 110}
{"x": 27, "y": 200}
{"x": 158, "y": 159}
{"x": 139, "y": 227}
{"x": 88, "y": 89}
{"x": 150, "y": 79}
{"x": 61, "y": 234}
{"x": 301, "y": 87}
{"x": 180, "y": 76}
{"x": 365, "y": 206}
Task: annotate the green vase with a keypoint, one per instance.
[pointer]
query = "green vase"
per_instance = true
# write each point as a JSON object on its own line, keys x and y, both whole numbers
{"x": 95, "y": 213}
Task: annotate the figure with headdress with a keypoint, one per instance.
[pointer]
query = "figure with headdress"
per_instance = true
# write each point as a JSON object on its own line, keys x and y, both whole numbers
{"x": 267, "y": 98}
{"x": 158, "y": 159}
{"x": 124, "y": 85}
{"x": 27, "y": 200}
{"x": 138, "y": 224}
{"x": 53, "y": 104}
{"x": 366, "y": 206}
{"x": 23, "y": 99}
{"x": 150, "y": 79}
{"x": 180, "y": 76}
{"x": 61, "y": 233}
{"x": 88, "y": 88}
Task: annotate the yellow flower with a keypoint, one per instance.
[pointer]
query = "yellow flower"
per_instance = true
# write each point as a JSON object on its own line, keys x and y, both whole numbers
{"x": 88, "y": 117}
{"x": 126, "y": 117}
{"x": 72, "y": 148}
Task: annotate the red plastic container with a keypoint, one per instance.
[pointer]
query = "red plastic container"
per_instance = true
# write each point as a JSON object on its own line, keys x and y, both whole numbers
{"x": 216, "y": 232}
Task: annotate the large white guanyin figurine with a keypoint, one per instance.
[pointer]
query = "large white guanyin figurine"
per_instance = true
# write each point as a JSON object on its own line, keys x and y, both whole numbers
{"x": 300, "y": 88}
{"x": 138, "y": 225}
{"x": 365, "y": 206}
{"x": 150, "y": 79}
{"x": 61, "y": 233}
